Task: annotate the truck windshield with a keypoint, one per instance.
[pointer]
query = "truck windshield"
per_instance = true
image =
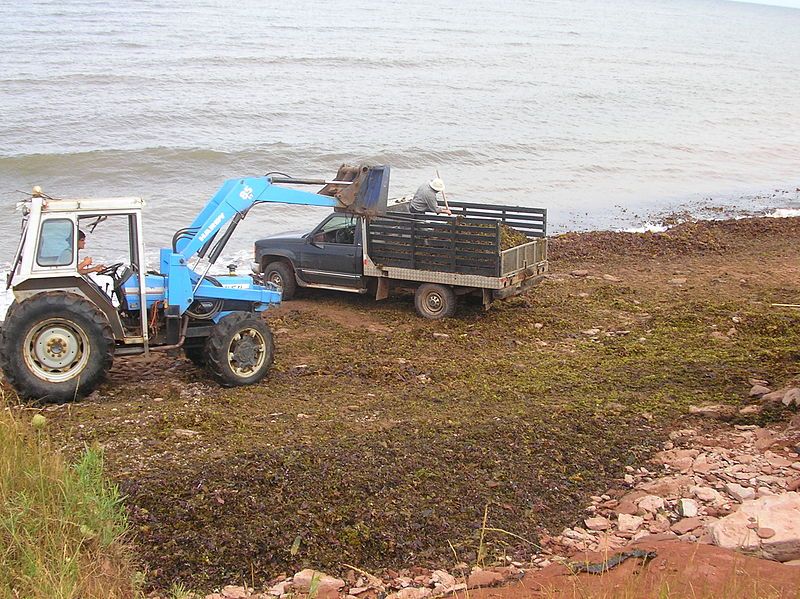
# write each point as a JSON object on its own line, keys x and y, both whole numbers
{"x": 339, "y": 228}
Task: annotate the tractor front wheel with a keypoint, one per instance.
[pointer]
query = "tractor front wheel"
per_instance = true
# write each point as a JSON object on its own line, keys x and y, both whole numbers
{"x": 239, "y": 350}
{"x": 56, "y": 346}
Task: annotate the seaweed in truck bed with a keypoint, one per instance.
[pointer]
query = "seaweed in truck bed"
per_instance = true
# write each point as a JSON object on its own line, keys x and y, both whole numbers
{"x": 509, "y": 236}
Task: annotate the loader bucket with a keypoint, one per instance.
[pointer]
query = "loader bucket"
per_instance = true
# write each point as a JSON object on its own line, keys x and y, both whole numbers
{"x": 368, "y": 192}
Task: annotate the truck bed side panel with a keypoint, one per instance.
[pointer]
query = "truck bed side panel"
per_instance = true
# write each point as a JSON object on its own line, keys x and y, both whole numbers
{"x": 457, "y": 247}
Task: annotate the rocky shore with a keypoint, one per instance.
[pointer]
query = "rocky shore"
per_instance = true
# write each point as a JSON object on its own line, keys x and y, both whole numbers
{"x": 735, "y": 487}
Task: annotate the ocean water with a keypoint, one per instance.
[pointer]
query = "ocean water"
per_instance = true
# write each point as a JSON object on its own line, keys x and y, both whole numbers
{"x": 605, "y": 112}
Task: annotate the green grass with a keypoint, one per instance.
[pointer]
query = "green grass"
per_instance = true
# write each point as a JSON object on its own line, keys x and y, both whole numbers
{"x": 62, "y": 527}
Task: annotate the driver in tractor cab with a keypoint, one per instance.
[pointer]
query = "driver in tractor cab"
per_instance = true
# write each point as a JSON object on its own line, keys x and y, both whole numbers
{"x": 85, "y": 265}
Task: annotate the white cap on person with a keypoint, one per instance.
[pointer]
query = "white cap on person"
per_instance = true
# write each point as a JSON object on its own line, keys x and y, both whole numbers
{"x": 437, "y": 184}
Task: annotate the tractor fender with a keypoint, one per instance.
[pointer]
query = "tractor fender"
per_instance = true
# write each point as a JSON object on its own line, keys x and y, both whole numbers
{"x": 79, "y": 286}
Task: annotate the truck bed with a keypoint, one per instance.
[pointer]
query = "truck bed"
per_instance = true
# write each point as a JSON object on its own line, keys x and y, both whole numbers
{"x": 463, "y": 250}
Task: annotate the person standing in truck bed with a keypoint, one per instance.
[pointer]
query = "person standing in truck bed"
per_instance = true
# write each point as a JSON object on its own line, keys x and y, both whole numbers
{"x": 424, "y": 199}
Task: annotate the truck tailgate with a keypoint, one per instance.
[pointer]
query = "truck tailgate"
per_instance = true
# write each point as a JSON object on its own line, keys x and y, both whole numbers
{"x": 522, "y": 257}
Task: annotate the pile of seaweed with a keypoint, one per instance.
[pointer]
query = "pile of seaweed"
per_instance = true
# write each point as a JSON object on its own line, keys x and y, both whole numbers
{"x": 511, "y": 237}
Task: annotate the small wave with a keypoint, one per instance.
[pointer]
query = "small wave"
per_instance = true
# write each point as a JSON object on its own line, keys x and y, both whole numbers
{"x": 647, "y": 227}
{"x": 783, "y": 213}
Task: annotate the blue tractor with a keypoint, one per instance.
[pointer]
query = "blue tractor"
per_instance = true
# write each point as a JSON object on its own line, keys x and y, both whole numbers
{"x": 63, "y": 330}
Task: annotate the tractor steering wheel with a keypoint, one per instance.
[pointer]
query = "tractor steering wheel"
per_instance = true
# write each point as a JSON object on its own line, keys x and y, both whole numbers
{"x": 111, "y": 270}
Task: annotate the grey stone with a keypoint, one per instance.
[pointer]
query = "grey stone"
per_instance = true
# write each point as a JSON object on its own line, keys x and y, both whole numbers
{"x": 776, "y": 513}
{"x": 687, "y": 508}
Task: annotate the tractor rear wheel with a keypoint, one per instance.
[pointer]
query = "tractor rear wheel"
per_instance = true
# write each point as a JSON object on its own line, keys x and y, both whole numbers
{"x": 56, "y": 346}
{"x": 239, "y": 350}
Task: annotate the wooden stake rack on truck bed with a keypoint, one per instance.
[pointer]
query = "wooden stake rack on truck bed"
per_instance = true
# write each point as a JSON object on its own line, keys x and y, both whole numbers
{"x": 465, "y": 251}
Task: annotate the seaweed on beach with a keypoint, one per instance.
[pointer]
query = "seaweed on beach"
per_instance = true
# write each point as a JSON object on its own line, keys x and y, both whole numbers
{"x": 379, "y": 439}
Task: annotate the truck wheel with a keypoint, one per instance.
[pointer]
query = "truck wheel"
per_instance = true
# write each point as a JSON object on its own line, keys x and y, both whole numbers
{"x": 435, "y": 301}
{"x": 282, "y": 275}
{"x": 56, "y": 346}
{"x": 239, "y": 350}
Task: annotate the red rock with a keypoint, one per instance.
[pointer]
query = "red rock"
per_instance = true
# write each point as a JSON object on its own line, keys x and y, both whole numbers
{"x": 627, "y": 503}
{"x": 627, "y": 507}
{"x": 597, "y": 523}
{"x": 774, "y": 396}
{"x": 650, "y": 503}
{"x": 792, "y": 397}
{"x": 765, "y": 442}
{"x": 443, "y": 578}
{"x": 776, "y": 461}
{"x": 484, "y": 578}
{"x": 702, "y": 465}
{"x": 765, "y": 533}
{"x": 673, "y": 456}
{"x": 629, "y": 524}
{"x": 686, "y": 525}
{"x": 327, "y": 587}
{"x": 668, "y": 486}
{"x": 410, "y": 593}
{"x": 664, "y": 536}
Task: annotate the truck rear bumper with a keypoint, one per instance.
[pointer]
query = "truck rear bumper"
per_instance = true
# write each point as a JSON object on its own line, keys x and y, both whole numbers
{"x": 516, "y": 289}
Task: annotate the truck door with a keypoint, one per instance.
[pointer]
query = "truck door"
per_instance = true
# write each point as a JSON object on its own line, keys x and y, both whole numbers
{"x": 332, "y": 253}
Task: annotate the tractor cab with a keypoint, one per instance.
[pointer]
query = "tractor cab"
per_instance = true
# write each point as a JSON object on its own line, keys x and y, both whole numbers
{"x": 49, "y": 256}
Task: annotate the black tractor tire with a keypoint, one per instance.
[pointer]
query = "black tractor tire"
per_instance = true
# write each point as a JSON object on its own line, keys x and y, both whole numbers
{"x": 282, "y": 275}
{"x": 56, "y": 347}
{"x": 434, "y": 301}
{"x": 6, "y": 318}
{"x": 239, "y": 350}
{"x": 11, "y": 307}
{"x": 196, "y": 353}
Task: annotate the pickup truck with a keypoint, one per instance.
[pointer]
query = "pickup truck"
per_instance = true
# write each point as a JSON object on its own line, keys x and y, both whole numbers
{"x": 439, "y": 257}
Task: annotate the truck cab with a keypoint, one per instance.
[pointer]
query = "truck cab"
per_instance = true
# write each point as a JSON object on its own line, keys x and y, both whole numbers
{"x": 330, "y": 256}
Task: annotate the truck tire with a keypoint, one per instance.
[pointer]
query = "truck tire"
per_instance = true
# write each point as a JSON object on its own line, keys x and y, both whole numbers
{"x": 239, "y": 350}
{"x": 57, "y": 346}
{"x": 435, "y": 301}
{"x": 282, "y": 275}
